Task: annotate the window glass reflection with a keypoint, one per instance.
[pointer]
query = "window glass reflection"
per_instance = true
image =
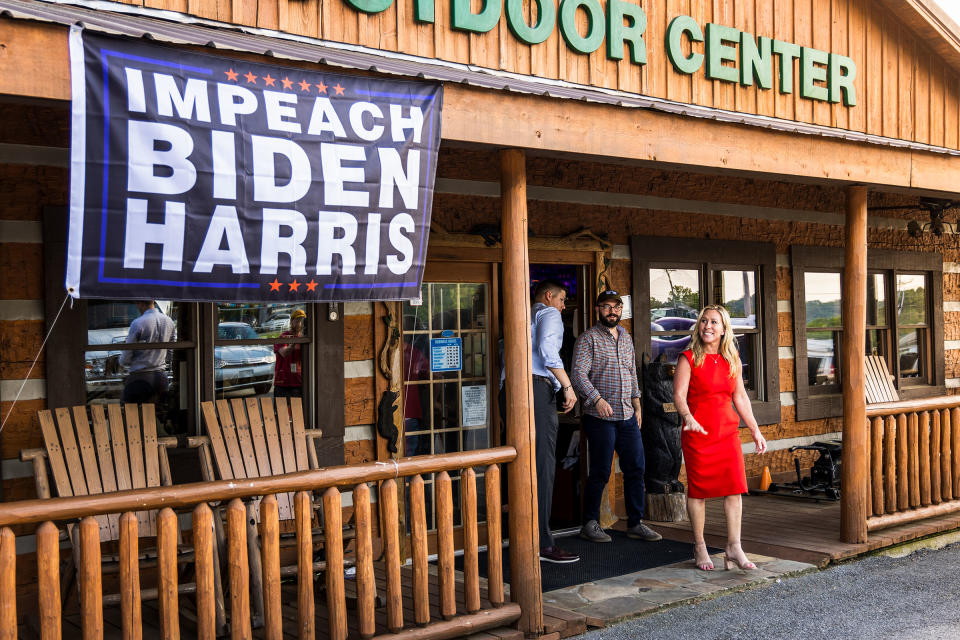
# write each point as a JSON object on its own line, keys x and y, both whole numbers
{"x": 822, "y": 299}
{"x": 259, "y": 369}
{"x": 674, "y": 293}
{"x": 911, "y": 299}
{"x": 876, "y": 300}
{"x": 737, "y": 291}
{"x": 822, "y": 350}
{"x": 911, "y": 360}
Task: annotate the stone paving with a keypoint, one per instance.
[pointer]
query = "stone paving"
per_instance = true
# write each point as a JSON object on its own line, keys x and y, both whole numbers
{"x": 612, "y": 599}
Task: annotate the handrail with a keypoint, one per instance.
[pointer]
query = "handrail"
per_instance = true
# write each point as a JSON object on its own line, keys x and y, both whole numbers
{"x": 187, "y": 495}
{"x": 909, "y": 406}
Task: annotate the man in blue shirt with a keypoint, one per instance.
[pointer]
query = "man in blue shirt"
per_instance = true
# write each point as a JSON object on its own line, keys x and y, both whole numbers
{"x": 549, "y": 378}
{"x": 147, "y": 378}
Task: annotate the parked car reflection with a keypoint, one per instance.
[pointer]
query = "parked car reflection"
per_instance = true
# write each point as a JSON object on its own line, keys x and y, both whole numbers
{"x": 278, "y": 322}
{"x": 241, "y": 367}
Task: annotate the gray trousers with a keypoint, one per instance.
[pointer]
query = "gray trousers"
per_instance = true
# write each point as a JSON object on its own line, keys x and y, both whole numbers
{"x": 547, "y": 423}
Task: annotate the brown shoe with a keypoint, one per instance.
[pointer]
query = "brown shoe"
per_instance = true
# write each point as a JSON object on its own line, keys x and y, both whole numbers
{"x": 558, "y": 556}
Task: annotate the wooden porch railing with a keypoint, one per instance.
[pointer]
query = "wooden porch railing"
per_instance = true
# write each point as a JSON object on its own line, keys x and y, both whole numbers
{"x": 914, "y": 461}
{"x": 329, "y": 481}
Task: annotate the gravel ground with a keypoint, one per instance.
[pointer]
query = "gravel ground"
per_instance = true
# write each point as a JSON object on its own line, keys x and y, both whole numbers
{"x": 912, "y": 598}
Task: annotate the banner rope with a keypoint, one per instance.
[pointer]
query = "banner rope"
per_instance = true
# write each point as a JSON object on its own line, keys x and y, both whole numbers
{"x": 34, "y": 364}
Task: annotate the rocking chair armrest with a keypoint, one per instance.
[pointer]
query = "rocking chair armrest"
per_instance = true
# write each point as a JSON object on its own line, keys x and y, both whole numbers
{"x": 312, "y": 435}
{"x": 30, "y": 454}
{"x": 40, "y": 479}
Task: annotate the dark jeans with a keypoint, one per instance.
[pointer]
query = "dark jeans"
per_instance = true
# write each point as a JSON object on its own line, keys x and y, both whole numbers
{"x": 145, "y": 386}
{"x": 547, "y": 423}
{"x": 287, "y": 392}
{"x": 604, "y": 437}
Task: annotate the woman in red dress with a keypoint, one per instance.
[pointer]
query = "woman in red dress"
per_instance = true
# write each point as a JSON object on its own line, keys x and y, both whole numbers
{"x": 709, "y": 395}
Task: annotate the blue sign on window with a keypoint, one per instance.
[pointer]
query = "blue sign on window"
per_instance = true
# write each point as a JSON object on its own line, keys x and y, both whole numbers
{"x": 445, "y": 354}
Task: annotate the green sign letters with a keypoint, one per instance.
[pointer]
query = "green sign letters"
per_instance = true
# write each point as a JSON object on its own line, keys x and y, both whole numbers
{"x": 723, "y": 52}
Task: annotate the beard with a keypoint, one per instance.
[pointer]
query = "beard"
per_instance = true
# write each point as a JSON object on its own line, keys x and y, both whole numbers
{"x": 610, "y": 321}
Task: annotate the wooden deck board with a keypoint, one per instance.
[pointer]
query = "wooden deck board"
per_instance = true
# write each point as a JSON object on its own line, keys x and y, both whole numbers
{"x": 799, "y": 530}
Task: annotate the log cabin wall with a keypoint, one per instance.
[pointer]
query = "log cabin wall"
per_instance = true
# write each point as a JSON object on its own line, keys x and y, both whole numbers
{"x": 903, "y": 88}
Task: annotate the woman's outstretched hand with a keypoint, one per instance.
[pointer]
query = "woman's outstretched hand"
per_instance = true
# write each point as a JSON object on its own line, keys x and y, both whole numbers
{"x": 759, "y": 441}
{"x": 690, "y": 424}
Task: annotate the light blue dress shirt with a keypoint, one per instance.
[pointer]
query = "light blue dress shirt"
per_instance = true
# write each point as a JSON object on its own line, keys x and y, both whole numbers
{"x": 546, "y": 327}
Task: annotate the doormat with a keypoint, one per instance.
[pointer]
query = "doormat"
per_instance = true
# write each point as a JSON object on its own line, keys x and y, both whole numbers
{"x": 601, "y": 560}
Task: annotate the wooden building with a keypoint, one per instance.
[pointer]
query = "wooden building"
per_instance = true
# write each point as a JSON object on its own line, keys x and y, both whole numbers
{"x": 784, "y": 157}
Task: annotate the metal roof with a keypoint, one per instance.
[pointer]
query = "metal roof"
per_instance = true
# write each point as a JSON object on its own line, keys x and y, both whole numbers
{"x": 176, "y": 28}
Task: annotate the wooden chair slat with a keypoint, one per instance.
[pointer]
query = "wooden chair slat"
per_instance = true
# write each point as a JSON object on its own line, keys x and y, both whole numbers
{"x": 108, "y": 474}
{"x": 286, "y": 436}
{"x": 229, "y": 432}
{"x": 119, "y": 440}
{"x": 108, "y": 477}
{"x": 217, "y": 445}
{"x": 870, "y": 385}
{"x": 299, "y": 438}
{"x": 55, "y": 454}
{"x": 88, "y": 454}
{"x": 71, "y": 453}
{"x": 138, "y": 472}
{"x": 151, "y": 450}
{"x": 284, "y": 500}
{"x": 255, "y": 422}
{"x": 91, "y": 468}
{"x": 244, "y": 439}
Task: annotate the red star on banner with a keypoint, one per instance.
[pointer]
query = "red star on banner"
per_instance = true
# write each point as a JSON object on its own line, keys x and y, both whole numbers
{"x": 251, "y": 79}
{"x": 304, "y": 85}
{"x": 311, "y": 285}
{"x": 268, "y": 80}
{"x": 322, "y": 88}
{"x": 232, "y": 75}
{"x": 294, "y": 285}
{"x": 275, "y": 285}
{"x": 287, "y": 83}
{"x": 338, "y": 89}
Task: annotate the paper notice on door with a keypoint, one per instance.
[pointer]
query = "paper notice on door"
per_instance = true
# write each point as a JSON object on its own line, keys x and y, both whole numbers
{"x": 473, "y": 403}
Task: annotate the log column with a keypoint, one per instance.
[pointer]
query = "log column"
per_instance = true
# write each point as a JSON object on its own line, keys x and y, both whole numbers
{"x": 853, "y": 506}
{"x": 522, "y": 472}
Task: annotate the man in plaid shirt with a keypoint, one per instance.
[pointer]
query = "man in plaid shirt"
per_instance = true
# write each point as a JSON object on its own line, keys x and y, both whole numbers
{"x": 605, "y": 378}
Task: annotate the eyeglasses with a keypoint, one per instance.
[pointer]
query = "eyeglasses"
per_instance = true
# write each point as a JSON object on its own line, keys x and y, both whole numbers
{"x": 611, "y": 307}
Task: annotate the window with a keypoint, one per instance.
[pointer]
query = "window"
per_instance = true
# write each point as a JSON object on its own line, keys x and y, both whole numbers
{"x": 674, "y": 278}
{"x": 903, "y": 289}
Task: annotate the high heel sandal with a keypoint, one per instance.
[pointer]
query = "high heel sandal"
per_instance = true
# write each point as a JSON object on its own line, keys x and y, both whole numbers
{"x": 702, "y": 565}
{"x": 730, "y": 562}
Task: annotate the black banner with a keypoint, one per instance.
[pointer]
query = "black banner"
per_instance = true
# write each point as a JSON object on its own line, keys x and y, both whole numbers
{"x": 197, "y": 177}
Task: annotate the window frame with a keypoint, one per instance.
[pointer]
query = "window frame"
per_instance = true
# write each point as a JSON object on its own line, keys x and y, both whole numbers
{"x": 708, "y": 255}
{"x": 813, "y": 405}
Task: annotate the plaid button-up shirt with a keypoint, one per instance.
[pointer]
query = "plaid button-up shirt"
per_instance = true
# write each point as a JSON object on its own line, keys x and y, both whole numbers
{"x": 605, "y": 367}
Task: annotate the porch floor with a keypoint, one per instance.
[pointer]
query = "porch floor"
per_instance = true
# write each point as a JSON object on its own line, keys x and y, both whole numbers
{"x": 800, "y": 530}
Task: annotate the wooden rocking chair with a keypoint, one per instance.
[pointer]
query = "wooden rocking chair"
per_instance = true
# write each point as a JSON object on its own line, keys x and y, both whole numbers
{"x": 878, "y": 383}
{"x": 120, "y": 452}
{"x": 256, "y": 438}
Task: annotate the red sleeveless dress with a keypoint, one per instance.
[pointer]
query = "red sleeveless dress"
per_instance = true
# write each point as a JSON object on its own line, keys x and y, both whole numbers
{"x": 714, "y": 461}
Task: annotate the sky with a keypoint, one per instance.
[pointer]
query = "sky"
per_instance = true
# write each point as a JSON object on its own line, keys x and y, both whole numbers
{"x": 952, "y": 8}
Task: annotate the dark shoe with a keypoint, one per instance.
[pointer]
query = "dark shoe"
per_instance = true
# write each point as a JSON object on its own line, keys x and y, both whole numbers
{"x": 643, "y": 532}
{"x": 592, "y": 532}
{"x": 557, "y": 555}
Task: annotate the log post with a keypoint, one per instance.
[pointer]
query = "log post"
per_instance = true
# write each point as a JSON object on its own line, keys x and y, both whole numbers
{"x": 853, "y": 506}
{"x": 522, "y": 472}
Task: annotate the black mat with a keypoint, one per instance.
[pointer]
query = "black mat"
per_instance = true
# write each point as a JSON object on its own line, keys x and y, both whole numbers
{"x": 601, "y": 560}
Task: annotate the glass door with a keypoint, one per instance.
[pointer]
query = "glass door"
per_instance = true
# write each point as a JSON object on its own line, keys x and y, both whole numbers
{"x": 447, "y": 372}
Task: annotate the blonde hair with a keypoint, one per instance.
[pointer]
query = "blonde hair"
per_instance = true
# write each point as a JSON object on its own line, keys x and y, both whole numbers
{"x": 727, "y": 347}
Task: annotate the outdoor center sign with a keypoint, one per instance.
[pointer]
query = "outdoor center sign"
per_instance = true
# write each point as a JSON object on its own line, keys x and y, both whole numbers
{"x": 196, "y": 177}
